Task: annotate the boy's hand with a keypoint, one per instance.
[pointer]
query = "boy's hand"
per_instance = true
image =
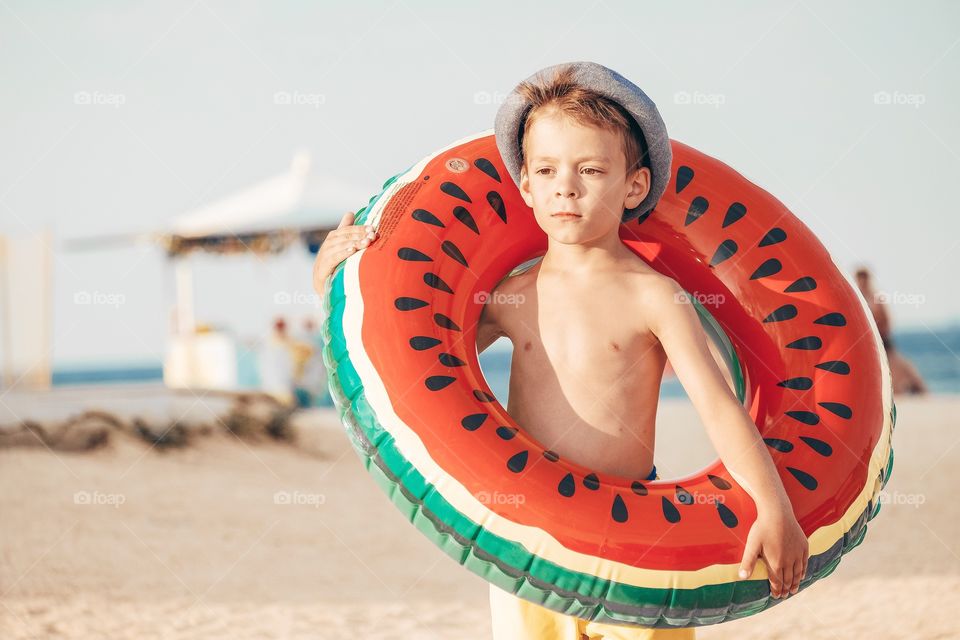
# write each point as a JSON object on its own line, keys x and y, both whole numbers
{"x": 340, "y": 244}
{"x": 776, "y": 536}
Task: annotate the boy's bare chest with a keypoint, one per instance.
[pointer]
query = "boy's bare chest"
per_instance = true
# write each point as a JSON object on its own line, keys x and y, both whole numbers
{"x": 579, "y": 331}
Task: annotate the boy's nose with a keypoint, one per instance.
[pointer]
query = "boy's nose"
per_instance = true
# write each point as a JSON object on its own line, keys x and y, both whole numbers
{"x": 566, "y": 189}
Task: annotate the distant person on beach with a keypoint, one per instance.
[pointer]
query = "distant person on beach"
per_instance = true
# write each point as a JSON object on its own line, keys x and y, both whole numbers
{"x": 282, "y": 363}
{"x": 906, "y": 378}
{"x": 311, "y": 385}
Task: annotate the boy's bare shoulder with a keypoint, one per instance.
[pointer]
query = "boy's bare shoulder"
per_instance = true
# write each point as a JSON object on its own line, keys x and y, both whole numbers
{"x": 516, "y": 282}
{"x": 505, "y": 294}
{"x": 657, "y": 295}
{"x": 653, "y": 286}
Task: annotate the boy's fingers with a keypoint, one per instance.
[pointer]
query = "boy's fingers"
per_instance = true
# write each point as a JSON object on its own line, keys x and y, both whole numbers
{"x": 750, "y": 553}
{"x": 355, "y": 233}
{"x": 346, "y": 220}
{"x": 336, "y": 256}
{"x": 747, "y": 565}
{"x": 775, "y": 577}
{"x": 797, "y": 577}
{"x": 347, "y": 241}
{"x": 350, "y": 232}
{"x": 787, "y": 581}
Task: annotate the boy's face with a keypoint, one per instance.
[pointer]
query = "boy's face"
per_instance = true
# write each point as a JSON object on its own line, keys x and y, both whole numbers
{"x": 581, "y": 169}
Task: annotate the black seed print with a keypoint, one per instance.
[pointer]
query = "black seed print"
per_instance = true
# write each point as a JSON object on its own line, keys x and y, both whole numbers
{"x": 487, "y": 167}
{"x": 591, "y": 482}
{"x": 697, "y": 208}
{"x": 619, "y": 509}
{"x": 407, "y": 253}
{"x": 736, "y": 211}
{"x": 773, "y": 236}
{"x": 638, "y": 488}
{"x": 454, "y": 252}
{"x": 450, "y": 360}
{"x": 421, "y": 343}
{"x": 436, "y": 383}
{"x": 463, "y": 215}
{"x": 838, "y": 408}
{"x": 483, "y": 396}
{"x": 786, "y": 312}
{"x": 808, "y": 343}
{"x": 445, "y": 322}
{"x": 819, "y": 446}
{"x": 551, "y": 455}
{"x": 796, "y": 383}
{"x": 806, "y": 417}
{"x": 727, "y": 517}
{"x": 768, "y": 268}
{"x": 474, "y": 421}
{"x": 804, "y": 478}
{"x": 405, "y": 303}
{"x": 567, "y": 486}
{"x": 517, "y": 462}
{"x": 718, "y": 482}
{"x": 832, "y": 319}
{"x": 802, "y": 284}
{"x": 670, "y": 511}
{"x": 454, "y": 190}
{"x": 422, "y": 215}
{"x": 726, "y": 249}
{"x": 780, "y": 445}
{"x": 643, "y": 216}
{"x": 434, "y": 281}
{"x": 496, "y": 202}
{"x": 683, "y": 496}
{"x": 507, "y": 433}
{"x": 835, "y": 366}
{"x": 684, "y": 176}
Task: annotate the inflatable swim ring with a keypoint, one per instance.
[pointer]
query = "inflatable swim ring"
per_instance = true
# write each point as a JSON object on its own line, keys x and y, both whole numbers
{"x": 400, "y": 348}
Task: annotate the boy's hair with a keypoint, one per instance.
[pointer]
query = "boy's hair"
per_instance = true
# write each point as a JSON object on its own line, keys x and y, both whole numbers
{"x": 583, "y": 106}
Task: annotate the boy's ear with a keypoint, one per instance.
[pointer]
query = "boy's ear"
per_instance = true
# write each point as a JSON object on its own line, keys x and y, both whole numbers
{"x": 638, "y": 186}
{"x": 525, "y": 187}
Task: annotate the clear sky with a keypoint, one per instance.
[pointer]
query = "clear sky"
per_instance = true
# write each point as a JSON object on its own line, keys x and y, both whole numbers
{"x": 117, "y": 116}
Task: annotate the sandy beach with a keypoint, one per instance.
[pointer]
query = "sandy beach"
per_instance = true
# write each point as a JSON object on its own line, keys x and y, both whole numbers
{"x": 237, "y": 538}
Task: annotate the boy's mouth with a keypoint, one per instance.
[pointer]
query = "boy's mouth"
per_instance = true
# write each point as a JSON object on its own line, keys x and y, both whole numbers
{"x": 565, "y": 215}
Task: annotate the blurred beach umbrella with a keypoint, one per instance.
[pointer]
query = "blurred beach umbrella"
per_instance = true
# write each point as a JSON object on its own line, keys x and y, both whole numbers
{"x": 269, "y": 215}
{"x": 265, "y": 217}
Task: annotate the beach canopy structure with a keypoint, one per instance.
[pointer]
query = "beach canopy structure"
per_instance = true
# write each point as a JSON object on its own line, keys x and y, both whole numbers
{"x": 267, "y": 217}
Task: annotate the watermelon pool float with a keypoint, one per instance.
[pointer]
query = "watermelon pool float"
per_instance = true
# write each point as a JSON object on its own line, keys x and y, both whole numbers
{"x": 806, "y": 359}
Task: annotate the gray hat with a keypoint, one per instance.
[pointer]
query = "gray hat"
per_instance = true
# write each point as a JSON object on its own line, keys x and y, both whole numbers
{"x": 512, "y": 114}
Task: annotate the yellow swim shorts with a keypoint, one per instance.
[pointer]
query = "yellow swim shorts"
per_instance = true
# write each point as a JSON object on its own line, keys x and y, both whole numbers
{"x": 518, "y": 619}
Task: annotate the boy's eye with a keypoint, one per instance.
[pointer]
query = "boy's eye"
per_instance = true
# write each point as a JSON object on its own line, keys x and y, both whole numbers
{"x": 590, "y": 171}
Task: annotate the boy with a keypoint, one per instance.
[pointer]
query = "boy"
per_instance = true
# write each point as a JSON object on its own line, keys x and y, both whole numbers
{"x": 596, "y": 324}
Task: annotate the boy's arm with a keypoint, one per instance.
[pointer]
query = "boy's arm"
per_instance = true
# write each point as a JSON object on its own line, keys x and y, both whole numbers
{"x": 488, "y": 328}
{"x": 776, "y": 535}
